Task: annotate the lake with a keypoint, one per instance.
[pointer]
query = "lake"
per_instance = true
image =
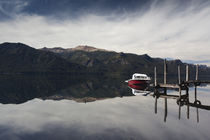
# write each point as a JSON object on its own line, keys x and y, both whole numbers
{"x": 62, "y": 107}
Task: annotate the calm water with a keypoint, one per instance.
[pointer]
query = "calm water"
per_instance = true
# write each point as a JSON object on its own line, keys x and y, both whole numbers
{"x": 67, "y": 108}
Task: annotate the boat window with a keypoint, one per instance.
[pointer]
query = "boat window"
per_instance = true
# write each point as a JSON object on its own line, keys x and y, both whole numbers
{"x": 142, "y": 77}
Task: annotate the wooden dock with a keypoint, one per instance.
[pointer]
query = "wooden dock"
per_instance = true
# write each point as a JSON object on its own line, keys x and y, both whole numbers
{"x": 181, "y": 85}
{"x": 197, "y": 82}
{"x": 171, "y": 86}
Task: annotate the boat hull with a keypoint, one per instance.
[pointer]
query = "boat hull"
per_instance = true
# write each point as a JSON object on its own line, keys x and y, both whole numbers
{"x": 137, "y": 82}
{"x": 138, "y": 87}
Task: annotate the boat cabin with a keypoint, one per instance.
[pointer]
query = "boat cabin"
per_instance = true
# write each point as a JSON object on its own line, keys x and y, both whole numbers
{"x": 140, "y": 76}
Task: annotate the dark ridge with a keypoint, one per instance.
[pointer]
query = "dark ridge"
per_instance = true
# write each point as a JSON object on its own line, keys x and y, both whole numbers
{"x": 121, "y": 63}
{"x": 20, "y": 58}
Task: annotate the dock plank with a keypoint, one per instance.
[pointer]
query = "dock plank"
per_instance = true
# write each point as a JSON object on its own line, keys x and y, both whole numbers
{"x": 168, "y": 86}
{"x": 169, "y": 96}
{"x": 197, "y": 82}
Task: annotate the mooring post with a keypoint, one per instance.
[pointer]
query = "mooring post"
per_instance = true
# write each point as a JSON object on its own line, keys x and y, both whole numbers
{"x": 180, "y": 92}
{"x": 155, "y": 75}
{"x": 187, "y": 92}
{"x": 196, "y": 76}
{"x": 165, "y": 80}
{"x": 155, "y": 90}
{"x": 179, "y": 76}
{"x": 165, "y": 71}
{"x": 188, "y": 106}
{"x": 179, "y": 79}
{"x": 187, "y": 73}
{"x": 195, "y": 93}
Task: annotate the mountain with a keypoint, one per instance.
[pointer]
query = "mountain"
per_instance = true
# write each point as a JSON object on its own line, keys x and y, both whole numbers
{"x": 20, "y": 58}
{"x": 109, "y": 61}
{"x": 113, "y": 63}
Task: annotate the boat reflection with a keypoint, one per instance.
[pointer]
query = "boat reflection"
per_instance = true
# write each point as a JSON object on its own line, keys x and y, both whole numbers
{"x": 182, "y": 101}
{"x": 139, "y": 89}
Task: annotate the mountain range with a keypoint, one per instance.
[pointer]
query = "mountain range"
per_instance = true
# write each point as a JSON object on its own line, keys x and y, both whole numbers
{"x": 20, "y": 58}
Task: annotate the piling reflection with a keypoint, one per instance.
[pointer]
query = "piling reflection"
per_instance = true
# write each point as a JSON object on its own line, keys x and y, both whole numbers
{"x": 181, "y": 101}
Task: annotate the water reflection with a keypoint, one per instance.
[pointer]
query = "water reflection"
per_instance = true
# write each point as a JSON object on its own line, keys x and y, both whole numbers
{"x": 19, "y": 89}
{"x": 183, "y": 101}
{"x": 140, "y": 89}
{"x": 114, "y": 118}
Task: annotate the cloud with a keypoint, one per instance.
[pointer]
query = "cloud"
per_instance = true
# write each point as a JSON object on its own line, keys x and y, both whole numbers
{"x": 74, "y": 8}
{"x": 10, "y": 8}
{"x": 165, "y": 29}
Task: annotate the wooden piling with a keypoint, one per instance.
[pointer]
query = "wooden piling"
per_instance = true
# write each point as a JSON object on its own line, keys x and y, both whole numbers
{"x": 188, "y": 107}
{"x": 179, "y": 75}
{"x": 195, "y": 93}
{"x": 196, "y": 76}
{"x": 179, "y": 79}
{"x": 182, "y": 85}
{"x": 165, "y": 71}
{"x": 165, "y": 76}
{"x": 187, "y": 73}
{"x": 180, "y": 92}
{"x": 155, "y": 82}
{"x": 155, "y": 76}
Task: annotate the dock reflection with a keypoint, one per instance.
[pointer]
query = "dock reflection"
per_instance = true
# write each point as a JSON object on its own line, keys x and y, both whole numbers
{"x": 182, "y": 101}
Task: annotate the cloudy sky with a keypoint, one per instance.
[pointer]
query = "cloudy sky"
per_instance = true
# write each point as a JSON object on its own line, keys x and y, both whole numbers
{"x": 161, "y": 28}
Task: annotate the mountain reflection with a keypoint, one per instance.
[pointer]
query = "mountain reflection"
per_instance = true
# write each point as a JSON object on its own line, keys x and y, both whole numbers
{"x": 116, "y": 118}
{"x": 19, "y": 89}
